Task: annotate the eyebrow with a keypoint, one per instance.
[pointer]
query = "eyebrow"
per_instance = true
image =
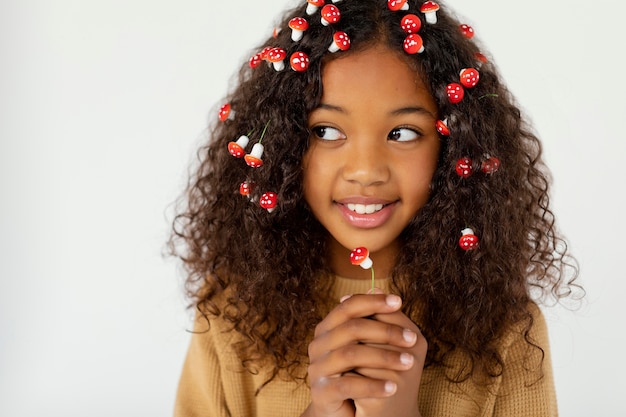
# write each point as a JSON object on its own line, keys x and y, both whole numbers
{"x": 397, "y": 112}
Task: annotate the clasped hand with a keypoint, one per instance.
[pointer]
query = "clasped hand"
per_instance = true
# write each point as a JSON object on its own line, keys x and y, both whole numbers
{"x": 366, "y": 360}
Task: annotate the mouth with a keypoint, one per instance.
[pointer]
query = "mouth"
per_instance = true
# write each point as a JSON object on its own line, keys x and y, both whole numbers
{"x": 365, "y": 208}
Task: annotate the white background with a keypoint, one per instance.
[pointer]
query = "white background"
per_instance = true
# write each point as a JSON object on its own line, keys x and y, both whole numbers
{"x": 102, "y": 106}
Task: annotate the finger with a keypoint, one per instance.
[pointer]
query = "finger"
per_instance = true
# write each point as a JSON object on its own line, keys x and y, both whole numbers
{"x": 359, "y": 305}
{"x": 362, "y": 330}
{"x": 351, "y": 386}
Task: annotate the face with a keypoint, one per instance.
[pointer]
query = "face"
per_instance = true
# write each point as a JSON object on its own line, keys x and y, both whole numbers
{"x": 372, "y": 155}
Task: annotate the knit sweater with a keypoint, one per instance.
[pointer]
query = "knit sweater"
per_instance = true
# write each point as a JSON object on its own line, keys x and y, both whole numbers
{"x": 213, "y": 382}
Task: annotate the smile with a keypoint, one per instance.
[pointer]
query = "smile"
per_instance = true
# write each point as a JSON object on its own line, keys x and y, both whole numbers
{"x": 365, "y": 208}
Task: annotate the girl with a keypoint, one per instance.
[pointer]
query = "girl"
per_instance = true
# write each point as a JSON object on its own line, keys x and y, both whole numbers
{"x": 375, "y": 124}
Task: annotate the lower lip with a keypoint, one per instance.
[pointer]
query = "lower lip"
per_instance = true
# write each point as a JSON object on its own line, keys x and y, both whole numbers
{"x": 366, "y": 221}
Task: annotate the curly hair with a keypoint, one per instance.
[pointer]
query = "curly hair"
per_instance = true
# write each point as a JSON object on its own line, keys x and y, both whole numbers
{"x": 273, "y": 264}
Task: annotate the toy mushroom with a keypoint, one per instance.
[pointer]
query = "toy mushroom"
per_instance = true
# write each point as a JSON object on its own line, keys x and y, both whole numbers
{"x": 313, "y": 5}
{"x": 360, "y": 256}
{"x": 467, "y": 31}
{"x": 298, "y": 25}
{"x": 468, "y": 240}
{"x": 255, "y": 60}
{"x": 276, "y": 56}
{"x": 269, "y": 201}
{"x": 430, "y": 11}
{"x": 469, "y": 77}
{"x": 299, "y": 61}
{"x": 442, "y": 127}
{"x": 226, "y": 113}
{"x": 253, "y": 159}
{"x": 341, "y": 40}
{"x": 330, "y": 14}
{"x": 246, "y": 188}
{"x": 413, "y": 44}
{"x": 455, "y": 92}
{"x": 464, "y": 167}
{"x": 490, "y": 165}
{"x": 237, "y": 149}
{"x": 396, "y": 5}
{"x": 411, "y": 23}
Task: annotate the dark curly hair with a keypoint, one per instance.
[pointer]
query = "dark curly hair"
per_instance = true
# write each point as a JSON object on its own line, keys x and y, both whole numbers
{"x": 273, "y": 264}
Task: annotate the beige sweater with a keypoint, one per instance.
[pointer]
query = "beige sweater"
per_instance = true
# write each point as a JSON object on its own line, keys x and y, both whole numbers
{"x": 213, "y": 383}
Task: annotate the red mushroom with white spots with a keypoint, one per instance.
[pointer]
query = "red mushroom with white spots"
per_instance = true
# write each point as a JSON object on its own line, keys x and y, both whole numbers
{"x": 313, "y": 5}
{"x": 490, "y": 165}
{"x": 397, "y": 5}
{"x": 455, "y": 92}
{"x": 468, "y": 240}
{"x": 255, "y": 60}
{"x": 469, "y": 77}
{"x": 277, "y": 57}
{"x": 464, "y": 167}
{"x": 413, "y": 44}
{"x": 253, "y": 159}
{"x": 299, "y": 61}
{"x": 330, "y": 14}
{"x": 238, "y": 148}
{"x": 360, "y": 256}
{"x": 341, "y": 41}
{"x": 411, "y": 23}
{"x": 430, "y": 9}
{"x": 467, "y": 31}
{"x": 442, "y": 127}
{"x": 226, "y": 112}
{"x": 298, "y": 25}
{"x": 269, "y": 201}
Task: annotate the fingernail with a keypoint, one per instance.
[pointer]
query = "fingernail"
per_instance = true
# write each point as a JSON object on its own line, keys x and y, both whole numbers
{"x": 393, "y": 300}
{"x": 390, "y": 387}
{"x": 345, "y": 297}
{"x": 406, "y": 359}
{"x": 409, "y": 335}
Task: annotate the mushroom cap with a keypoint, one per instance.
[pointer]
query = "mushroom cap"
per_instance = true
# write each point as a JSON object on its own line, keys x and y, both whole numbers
{"x": 236, "y": 150}
{"x": 342, "y": 40}
{"x": 224, "y": 112}
{"x": 268, "y": 200}
{"x": 298, "y": 23}
{"x": 467, "y": 31}
{"x": 442, "y": 127}
{"x": 255, "y": 60}
{"x": 429, "y": 6}
{"x": 299, "y": 61}
{"x": 413, "y": 44}
{"x": 396, "y": 5}
{"x": 276, "y": 54}
{"x": 359, "y": 255}
{"x": 468, "y": 240}
{"x": 253, "y": 161}
{"x": 464, "y": 167}
{"x": 481, "y": 57}
{"x": 411, "y": 23}
{"x": 265, "y": 52}
{"x": 469, "y": 77}
{"x": 245, "y": 188}
{"x": 317, "y": 3}
{"x": 490, "y": 165}
{"x": 455, "y": 92}
{"x": 331, "y": 13}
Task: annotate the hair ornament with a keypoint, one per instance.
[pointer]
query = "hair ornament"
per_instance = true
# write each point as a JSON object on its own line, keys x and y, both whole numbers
{"x": 246, "y": 189}
{"x": 253, "y": 159}
{"x": 481, "y": 57}
{"x": 238, "y": 148}
{"x": 269, "y": 201}
{"x": 298, "y": 25}
{"x": 299, "y": 61}
{"x": 411, "y": 23}
{"x": 226, "y": 113}
{"x": 455, "y": 92}
{"x": 442, "y": 127}
{"x": 361, "y": 257}
{"x": 430, "y": 9}
{"x": 468, "y": 240}
{"x": 490, "y": 165}
{"x": 275, "y": 32}
{"x": 277, "y": 57}
{"x": 336, "y": 1}
{"x": 464, "y": 167}
{"x": 330, "y": 14}
{"x": 467, "y": 31}
{"x": 413, "y": 44}
{"x": 469, "y": 77}
{"x": 313, "y": 5}
{"x": 255, "y": 60}
{"x": 397, "y": 5}
{"x": 341, "y": 41}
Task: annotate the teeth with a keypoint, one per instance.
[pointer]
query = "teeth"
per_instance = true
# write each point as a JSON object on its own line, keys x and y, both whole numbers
{"x": 365, "y": 208}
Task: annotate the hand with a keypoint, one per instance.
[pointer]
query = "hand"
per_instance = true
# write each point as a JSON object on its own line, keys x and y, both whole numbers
{"x": 365, "y": 353}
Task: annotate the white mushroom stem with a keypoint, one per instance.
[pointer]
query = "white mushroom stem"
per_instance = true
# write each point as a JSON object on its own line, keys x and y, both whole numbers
{"x": 296, "y": 34}
{"x": 367, "y": 263}
{"x": 279, "y": 65}
{"x": 257, "y": 150}
{"x": 311, "y": 9}
{"x": 431, "y": 17}
{"x": 243, "y": 141}
{"x": 333, "y": 47}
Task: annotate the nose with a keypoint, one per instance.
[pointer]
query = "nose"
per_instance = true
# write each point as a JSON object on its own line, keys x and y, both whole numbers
{"x": 367, "y": 162}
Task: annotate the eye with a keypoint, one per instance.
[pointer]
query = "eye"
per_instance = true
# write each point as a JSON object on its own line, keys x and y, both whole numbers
{"x": 328, "y": 133}
{"x": 404, "y": 134}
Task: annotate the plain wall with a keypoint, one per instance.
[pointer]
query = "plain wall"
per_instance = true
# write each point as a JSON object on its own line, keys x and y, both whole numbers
{"x": 102, "y": 105}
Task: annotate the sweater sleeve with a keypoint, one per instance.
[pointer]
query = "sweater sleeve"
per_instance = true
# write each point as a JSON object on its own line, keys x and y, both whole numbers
{"x": 527, "y": 387}
{"x": 200, "y": 390}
